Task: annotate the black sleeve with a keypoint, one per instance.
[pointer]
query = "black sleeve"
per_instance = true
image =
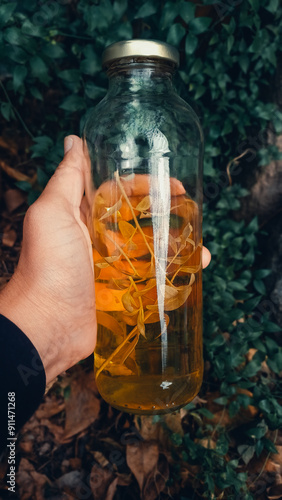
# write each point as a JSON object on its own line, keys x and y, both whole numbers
{"x": 22, "y": 380}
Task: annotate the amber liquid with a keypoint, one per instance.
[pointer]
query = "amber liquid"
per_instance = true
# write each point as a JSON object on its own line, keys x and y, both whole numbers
{"x": 148, "y": 357}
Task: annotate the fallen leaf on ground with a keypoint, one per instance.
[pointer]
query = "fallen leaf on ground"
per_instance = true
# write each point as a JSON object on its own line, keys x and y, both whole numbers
{"x": 83, "y": 405}
{"x": 142, "y": 459}
{"x": 49, "y": 408}
{"x": 14, "y": 198}
{"x": 57, "y": 430}
{"x": 9, "y": 237}
{"x": 6, "y": 143}
{"x": 100, "y": 480}
{"x": 31, "y": 483}
{"x": 15, "y": 174}
{"x": 112, "y": 489}
{"x": 275, "y": 492}
{"x": 156, "y": 480}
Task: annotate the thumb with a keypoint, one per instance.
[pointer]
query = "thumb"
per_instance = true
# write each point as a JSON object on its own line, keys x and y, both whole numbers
{"x": 68, "y": 182}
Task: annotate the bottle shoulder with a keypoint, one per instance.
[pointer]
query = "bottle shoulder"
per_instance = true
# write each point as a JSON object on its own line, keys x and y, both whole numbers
{"x": 137, "y": 117}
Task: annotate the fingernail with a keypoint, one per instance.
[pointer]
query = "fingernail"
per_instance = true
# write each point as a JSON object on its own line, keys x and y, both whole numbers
{"x": 68, "y": 142}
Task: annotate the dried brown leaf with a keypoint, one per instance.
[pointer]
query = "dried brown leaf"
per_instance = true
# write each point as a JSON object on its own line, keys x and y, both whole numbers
{"x": 153, "y": 307}
{"x": 9, "y": 237}
{"x": 142, "y": 458}
{"x": 55, "y": 429}
{"x": 100, "y": 480}
{"x": 126, "y": 229}
{"x": 189, "y": 269}
{"x": 83, "y": 405}
{"x": 149, "y": 285}
{"x": 112, "y": 258}
{"x": 145, "y": 215}
{"x": 15, "y": 174}
{"x": 153, "y": 318}
{"x": 127, "y": 301}
{"x": 100, "y": 458}
{"x": 132, "y": 365}
{"x": 187, "y": 231}
{"x": 144, "y": 204}
{"x": 49, "y": 408}
{"x": 177, "y": 301}
{"x": 157, "y": 479}
{"x": 172, "y": 243}
{"x": 14, "y": 198}
{"x": 10, "y": 145}
{"x": 140, "y": 322}
{"x": 170, "y": 292}
{"x": 31, "y": 484}
{"x": 101, "y": 264}
{"x": 112, "y": 210}
{"x": 131, "y": 246}
{"x": 109, "y": 322}
{"x": 112, "y": 489}
{"x": 125, "y": 353}
{"x": 179, "y": 260}
{"x": 275, "y": 492}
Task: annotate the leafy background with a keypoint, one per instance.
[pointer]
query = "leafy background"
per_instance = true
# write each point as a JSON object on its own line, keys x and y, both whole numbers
{"x": 226, "y": 443}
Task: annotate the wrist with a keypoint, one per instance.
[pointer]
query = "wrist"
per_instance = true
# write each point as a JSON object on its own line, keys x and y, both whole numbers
{"x": 21, "y": 305}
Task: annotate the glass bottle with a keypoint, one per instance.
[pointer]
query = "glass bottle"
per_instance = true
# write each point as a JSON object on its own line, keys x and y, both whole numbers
{"x": 145, "y": 146}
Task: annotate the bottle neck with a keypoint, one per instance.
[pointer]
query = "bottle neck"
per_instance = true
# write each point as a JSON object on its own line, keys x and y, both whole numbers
{"x": 139, "y": 75}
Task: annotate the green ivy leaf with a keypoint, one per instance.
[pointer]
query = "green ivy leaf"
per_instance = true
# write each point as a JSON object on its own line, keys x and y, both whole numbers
{"x": 146, "y": 10}
{"x": 275, "y": 362}
{"x": 94, "y": 91}
{"x": 269, "y": 445}
{"x": 201, "y": 89}
{"x": 244, "y": 62}
{"x": 119, "y": 8}
{"x": 14, "y": 36}
{"x": 42, "y": 145}
{"x": 39, "y": 69}
{"x": 23, "y": 185}
{"x": 199, "y": 25}
{"x": 7, "y": 111}
{"x": 222, "y": 445}
{"x": 260, "y": 287}
{"x": 169, "y": 13}
{"x": 31, "y": 29}
{"x": 175, "y": 34}
{"x": 255, "y": 4}
{"x": 273, "y": 6}
{"x": 230, "y": 43}
{"x": 54, "y": 51}
{"x": 42, "y": 177}
{"x": 73, "y": 103}
{"x": 187, "y": 11}
{"x": 35, "y": 92}
{"x": 246, "y": 452}
{"x": 6, "y": 12}
{"x": 257, "y": 432}
{"x": 259, "y": 447}
{"x": 206, "y": 413}
{"x": 70, "y": 75}
{"x": 19, "y": 74}
{"x": 269, "y": 326}
{"x": 222, "y": 400}
{"x": 191, "y": 43}
{"x": 262, "y": 273}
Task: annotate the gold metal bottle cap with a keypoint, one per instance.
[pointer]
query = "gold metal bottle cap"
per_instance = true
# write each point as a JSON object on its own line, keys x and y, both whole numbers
{"x": 135, "y": 48}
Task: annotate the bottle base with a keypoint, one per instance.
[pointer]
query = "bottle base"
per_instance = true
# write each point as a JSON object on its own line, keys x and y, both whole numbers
{"x": 149, "y": 394}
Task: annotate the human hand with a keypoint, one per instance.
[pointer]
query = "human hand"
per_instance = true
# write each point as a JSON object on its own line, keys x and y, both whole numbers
{"x": 51, "y": 295}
